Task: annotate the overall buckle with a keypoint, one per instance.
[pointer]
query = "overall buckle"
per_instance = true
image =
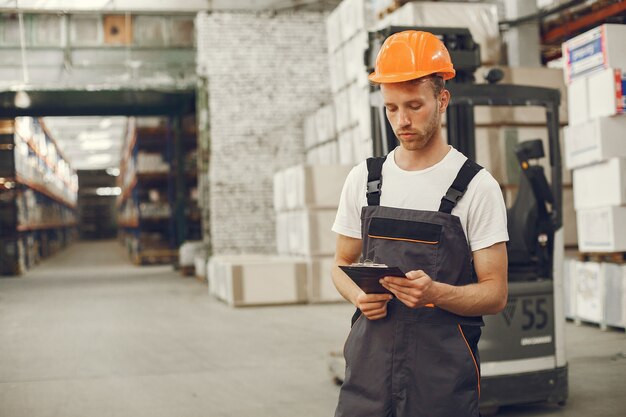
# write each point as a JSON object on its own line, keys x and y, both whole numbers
{"x": 453, "y": 195}
{"x": 373, "y": 187}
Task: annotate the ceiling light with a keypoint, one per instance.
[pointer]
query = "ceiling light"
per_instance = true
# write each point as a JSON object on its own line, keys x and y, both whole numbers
{"x": 98, "y": 159}
{"x": 96, "y": 145}
{"x": 109, "y": 191}
{"x": 22, "y": 100}
{"x": 105, "y": 123}
{"x": 114, "y": 172}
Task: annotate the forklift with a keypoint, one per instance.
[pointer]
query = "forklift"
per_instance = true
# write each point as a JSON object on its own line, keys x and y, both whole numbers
{"x": 522, "y": 349}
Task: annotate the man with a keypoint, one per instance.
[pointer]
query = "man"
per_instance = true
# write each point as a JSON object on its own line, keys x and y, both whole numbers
{"x": 441, "y": 219}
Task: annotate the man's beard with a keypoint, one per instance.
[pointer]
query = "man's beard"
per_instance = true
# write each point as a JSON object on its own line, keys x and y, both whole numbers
{"x": 424, "y": 136}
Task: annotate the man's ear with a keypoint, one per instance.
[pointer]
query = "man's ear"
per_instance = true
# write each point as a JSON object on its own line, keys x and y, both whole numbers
{"x": 444, "y": 100}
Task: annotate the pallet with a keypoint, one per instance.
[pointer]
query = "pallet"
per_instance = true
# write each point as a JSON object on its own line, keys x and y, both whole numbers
{"x": 601, "y": 326}
{"x": 155, "y": 257}
{"x": 188, "y": 271}
{"x": 392, "y": 8}
{"x": 607, "y": 257}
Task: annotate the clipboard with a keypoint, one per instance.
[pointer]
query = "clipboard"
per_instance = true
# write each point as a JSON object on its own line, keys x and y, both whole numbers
{"x": 367, "y": 277}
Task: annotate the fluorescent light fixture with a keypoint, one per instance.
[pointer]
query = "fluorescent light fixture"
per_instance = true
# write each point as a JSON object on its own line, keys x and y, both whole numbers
{"x": 108, "y": 191}
{"x": 96, "y": 145}
{"x": 114, "y": 172}
{"x": 105, "y": 123}
{"x": 98, "y": 159}
{"x": 22, "y": 100}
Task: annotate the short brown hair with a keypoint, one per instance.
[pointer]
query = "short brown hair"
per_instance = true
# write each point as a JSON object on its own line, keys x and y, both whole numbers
{"x": 436, "y": 81}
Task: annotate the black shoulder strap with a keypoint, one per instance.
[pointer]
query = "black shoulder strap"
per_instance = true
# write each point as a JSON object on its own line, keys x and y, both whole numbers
{"x": 374, "y": 180}
{"x": 467, "y": 172}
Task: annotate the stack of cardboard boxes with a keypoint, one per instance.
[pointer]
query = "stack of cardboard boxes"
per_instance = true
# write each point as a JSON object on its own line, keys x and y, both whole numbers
{"x": 306, "y": 198}
{"x": 347, "y": 34}
{"x": 596, "y": 152}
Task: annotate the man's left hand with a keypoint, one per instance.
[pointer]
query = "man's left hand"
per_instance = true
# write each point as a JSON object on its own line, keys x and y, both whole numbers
{"x": 416, "y": 290}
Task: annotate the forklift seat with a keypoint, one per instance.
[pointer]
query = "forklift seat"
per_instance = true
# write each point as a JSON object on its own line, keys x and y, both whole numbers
{"x": 530, "y": 219}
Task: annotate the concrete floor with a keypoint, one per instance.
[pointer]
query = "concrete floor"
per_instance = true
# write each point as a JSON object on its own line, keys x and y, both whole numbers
{"x": 88, "y": 334}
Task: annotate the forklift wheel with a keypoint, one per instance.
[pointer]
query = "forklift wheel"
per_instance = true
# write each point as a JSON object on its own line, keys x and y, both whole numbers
{"x": 489, "y": 411}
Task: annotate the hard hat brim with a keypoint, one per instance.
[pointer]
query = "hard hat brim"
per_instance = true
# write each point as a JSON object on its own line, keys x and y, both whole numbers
{"x": 398, "y": 78}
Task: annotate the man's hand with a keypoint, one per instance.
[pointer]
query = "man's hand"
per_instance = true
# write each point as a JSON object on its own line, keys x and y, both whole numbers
{"x": 373, "y": 306}
{"x": 416, "y": 290}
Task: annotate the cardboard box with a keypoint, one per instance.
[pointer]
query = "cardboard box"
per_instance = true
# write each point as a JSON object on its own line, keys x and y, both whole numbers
{"x": 333, "y": 31}
{"x": 599, "y": 185}
{"x": 346, "y": 148}
{"x": 569, "y": 288}
{"x": 343, "y": 116}
{"x": 353, "y": 55}
{"x": 594, "y": 141}
{"x": 320, "y": 283}
{"x": 601, "y": 229}
{"x": 599, "y": 48}
{"x": 325, "y": 123}
{"x": 336, "y": 68}
{"x": 310, "y": 131}
{"x": 312, "y": 187}
{"x": 590, "y": 291}
{"x": 615, "y": 294}
{"x": 578, "y": 102}
{"x": 258, "y": 280}
{"x": 570, "y": 229}
{"x": 306, "y": 232}
{"x": 606, "y": 92}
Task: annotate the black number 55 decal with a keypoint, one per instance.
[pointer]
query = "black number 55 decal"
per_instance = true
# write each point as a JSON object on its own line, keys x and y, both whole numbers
{"x": 535, "y": 313}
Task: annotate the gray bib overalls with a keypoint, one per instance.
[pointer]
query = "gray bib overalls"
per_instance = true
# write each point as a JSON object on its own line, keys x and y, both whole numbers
{"x": 415, "y": 362}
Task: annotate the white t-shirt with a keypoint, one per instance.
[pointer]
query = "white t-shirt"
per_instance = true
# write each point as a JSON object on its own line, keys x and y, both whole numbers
{"x": 482, "y": 210}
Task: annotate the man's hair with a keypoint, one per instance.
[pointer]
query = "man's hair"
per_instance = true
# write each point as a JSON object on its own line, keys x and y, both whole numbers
{"x": 435, "y": 80}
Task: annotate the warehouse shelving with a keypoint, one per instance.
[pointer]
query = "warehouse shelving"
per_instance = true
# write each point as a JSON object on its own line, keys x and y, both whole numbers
{"x": 156, "y": 178}
{"x": 38, "y": 194}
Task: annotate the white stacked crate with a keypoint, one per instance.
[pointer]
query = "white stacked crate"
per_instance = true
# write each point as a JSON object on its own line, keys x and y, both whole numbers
{"x": 306, "y": 198}
{"x": 347, "y": 34}
{"x": 596, "y": 152}
{"x": 481, "y": 20}
{"x": 320, "y": 137}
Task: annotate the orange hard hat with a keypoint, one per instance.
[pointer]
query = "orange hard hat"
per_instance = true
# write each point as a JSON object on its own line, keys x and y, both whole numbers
{"x": 409, "y": 55}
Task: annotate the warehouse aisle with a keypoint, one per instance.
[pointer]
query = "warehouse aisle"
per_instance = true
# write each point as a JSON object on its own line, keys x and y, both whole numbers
{"x": 86, "y": 333}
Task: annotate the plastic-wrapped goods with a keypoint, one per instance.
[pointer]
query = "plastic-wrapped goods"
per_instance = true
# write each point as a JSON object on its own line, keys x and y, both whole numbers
{"x": 188, "y": 252}
{"x": 200, "y": 262}
{"x": 589, "y": 291}
{"x": 481, "y": 19}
